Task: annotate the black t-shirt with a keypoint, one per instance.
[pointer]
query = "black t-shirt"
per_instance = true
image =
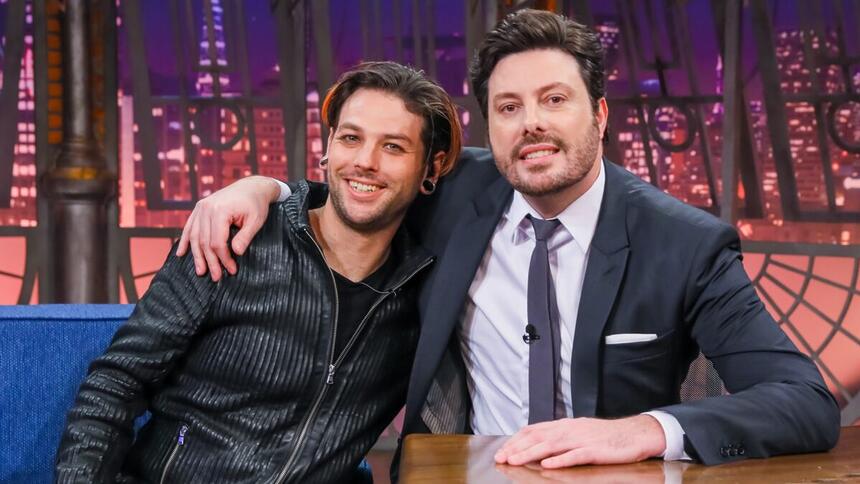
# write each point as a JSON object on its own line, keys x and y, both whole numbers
{"x": 356, "y": 298}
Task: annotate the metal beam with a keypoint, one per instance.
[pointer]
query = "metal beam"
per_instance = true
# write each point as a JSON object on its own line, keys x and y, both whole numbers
{"x": 110, "y": 70}
{"x": 245, "y": 72}
{"x": 732, "y": 108}
{"x": 431, "y": 39}
{"x": 13, "y": 50}
{"x": 580, "y": 11}
{"x": 182, "y": 65}
{"x": 290, "y": 18}
{"x": 79, "y": 185}
{"x": 325, "y": 59}
{"x": 133, "y": 23}
{"x": 45, "y": 152}
{"x": 475, "y": 22}
{"x": 629, "y": 32}
{"x": 417, "y": 38}
{"x": 808, "y": 21}
{"x": 687, "y": 55}
{"x": 777, "y": 121}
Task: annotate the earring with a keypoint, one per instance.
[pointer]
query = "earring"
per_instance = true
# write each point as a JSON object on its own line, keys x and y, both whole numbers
{"x": 324, "y": 161}
{"x": 428, "y": 186}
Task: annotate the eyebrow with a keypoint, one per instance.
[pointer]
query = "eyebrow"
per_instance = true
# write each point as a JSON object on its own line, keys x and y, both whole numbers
{"x": 555, "y": 85}
{"x": 542, "y": 89}
{"x": 395, "y": 136}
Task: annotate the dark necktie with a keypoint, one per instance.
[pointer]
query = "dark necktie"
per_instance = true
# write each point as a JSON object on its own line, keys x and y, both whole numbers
{"x": 543, "y": 350}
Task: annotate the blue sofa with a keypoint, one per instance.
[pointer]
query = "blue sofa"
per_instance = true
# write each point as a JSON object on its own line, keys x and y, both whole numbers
{"x": 44, "y": 354}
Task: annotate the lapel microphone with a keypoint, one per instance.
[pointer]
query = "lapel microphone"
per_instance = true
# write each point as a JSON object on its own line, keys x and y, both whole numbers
{"x": 530, "y": 335}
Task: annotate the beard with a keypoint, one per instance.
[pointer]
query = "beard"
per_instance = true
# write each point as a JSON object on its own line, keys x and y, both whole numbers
{"x": 385, "y": 212}
{"x": 580, "y": 157}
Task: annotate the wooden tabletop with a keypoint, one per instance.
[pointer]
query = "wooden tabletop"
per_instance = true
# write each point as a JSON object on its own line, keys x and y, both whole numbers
{"x": 469, "y": 458}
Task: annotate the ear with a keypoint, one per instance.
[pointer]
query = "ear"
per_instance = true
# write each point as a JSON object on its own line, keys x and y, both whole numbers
{"x": 433, "y": 174}
{"x": 602, "y": 115}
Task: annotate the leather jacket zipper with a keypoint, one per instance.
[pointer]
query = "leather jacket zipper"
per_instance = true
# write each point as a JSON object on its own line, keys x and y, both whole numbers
{"x": 333, "y": 365}
{"x": 303, "y": 428}
{"x": 363, "y": 323}
{"x": 180, "y": 441}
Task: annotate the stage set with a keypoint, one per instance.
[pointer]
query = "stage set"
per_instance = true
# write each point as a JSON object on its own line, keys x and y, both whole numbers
{"x": 117, "y": 116}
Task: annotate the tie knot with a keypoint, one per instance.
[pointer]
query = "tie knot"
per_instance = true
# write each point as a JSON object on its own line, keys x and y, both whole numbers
{"x": 544, "y": 228}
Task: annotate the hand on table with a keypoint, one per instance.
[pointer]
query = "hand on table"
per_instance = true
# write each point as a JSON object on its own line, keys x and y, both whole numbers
{"x": 578, "y": 441}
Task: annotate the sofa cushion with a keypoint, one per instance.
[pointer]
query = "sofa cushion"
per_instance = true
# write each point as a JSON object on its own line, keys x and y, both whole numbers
{"x": 44, "y": 354}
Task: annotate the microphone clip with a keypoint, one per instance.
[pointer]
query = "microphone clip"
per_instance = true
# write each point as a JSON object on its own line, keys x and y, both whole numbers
{"x": 530, "y": 335}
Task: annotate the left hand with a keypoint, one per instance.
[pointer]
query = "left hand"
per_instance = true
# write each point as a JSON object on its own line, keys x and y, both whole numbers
{"x": 577, "y": 441}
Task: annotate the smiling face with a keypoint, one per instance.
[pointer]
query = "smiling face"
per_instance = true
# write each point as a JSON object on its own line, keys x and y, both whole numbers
{"x": 376, "y": 160}
{"x": 544, "y": 133}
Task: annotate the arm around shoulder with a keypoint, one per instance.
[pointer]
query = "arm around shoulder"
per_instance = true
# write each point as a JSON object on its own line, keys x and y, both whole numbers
{"x": 245, "y": 204}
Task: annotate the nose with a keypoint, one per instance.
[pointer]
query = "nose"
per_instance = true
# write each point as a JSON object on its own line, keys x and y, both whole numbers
{"x": 366, "y": 158}
{"x": 534, "y": 121}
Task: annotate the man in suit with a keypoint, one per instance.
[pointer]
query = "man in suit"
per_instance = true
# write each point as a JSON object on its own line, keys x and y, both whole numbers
{"x": 569, "y": 296}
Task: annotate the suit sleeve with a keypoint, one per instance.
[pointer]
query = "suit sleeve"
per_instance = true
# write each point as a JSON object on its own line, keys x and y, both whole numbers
{"x": 778, "y": 402}
{"x": 100, "y": 426}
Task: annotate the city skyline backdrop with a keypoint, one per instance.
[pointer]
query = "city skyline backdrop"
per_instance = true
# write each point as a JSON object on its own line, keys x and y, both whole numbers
{"x": 200, "y": 104}
{"x": 681, "y": 174}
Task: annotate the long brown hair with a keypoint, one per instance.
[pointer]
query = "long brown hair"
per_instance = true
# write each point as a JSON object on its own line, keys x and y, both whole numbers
{"x": 422, "y": 97}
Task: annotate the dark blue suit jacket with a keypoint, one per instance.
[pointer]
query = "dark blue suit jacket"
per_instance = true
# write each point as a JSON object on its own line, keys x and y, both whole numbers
{"x": 655, "y": 265}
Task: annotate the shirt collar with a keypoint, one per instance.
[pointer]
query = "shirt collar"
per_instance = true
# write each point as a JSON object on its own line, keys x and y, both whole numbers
{"x": 579, "y": 218}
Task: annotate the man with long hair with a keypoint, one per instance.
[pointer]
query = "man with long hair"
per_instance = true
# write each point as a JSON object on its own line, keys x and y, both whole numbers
{"x": 290, "y": 370}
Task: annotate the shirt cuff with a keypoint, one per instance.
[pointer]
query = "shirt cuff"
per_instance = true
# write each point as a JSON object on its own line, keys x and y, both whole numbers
{"x": 285, "y": 190}
{"x": 674, "y": 435}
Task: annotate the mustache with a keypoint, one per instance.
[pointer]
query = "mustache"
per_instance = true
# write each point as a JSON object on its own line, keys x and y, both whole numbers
{"x": 533, "y": 139}
{"x": 365, "y": 175}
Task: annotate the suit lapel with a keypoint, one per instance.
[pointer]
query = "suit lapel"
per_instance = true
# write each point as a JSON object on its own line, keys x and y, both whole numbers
{"x": 454, "y": 274}
{"x": 607, "y": 261}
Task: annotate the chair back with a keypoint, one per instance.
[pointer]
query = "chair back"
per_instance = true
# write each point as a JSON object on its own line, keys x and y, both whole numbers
{"x": 702, "y": 381}
{"x": 45, "y": 351}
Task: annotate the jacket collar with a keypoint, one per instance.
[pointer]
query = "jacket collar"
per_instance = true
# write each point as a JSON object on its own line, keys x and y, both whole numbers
{"x": 611, "y": 233}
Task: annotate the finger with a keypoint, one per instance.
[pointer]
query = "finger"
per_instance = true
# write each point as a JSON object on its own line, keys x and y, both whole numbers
{"x": 220, "y": 233}
{"x": 575, "y": 457}
{"x": 182, "y": 247}
{"x": 246, "y": 233}
{"x": 194, "y": 242}
{"x": 501, "y": 455}
{"x": 539, "y": 451}
{"x": 205, "y": 242}
{"x": 518, "y": 443}
{"x": 525, "y": 438}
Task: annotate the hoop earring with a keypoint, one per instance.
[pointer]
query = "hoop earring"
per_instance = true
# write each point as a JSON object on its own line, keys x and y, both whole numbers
{"x": 428, "y": 186}
{"x": 324, "y": 161}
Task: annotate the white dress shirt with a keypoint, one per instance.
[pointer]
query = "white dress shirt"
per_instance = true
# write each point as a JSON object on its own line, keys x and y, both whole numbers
{"x": 496, "y": 309}
{"x": 494, "y": 318}
{"x": 495, "y": 315}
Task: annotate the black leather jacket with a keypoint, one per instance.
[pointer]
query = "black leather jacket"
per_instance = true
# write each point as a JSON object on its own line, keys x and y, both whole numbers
{"x": 240, "y": 375}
